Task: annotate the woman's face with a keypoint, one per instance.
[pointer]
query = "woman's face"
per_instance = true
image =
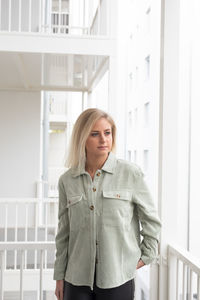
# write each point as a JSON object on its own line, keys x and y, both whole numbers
{"x": 99, "y": 142}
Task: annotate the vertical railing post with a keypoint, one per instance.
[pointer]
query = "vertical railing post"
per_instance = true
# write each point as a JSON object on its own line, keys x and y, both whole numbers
{"x": 40, "y": 17}
{"x": 2, "y": 264}
{"x": 191, "y": 285}
{"x": 99, "y": 18}
{"x": 184, "y": 285}
{"x": 177, "y": 278}
{"x": 83, "y": 31}
{"x": 108, "y": 17}
{"x": 26, "y": 233}
{"x": 6, "y": 231}
{"x": 6, "y": 223}
{"x": 22, "y": 276}
{"x": 59, "y": 17}
{"x": 0, "y": 14}
{"x": 41, "y": 273}
{"x": 46, "y": 226}
{"x": 172, "y": 284}
{"x": 198, "y": 287}
{"x": 16, "y": 229}
{"x": 30, "y": 16}
{"x": 36, "y": 231}
{"x": 9, "y": 15}
{"x": 20, "y": 15}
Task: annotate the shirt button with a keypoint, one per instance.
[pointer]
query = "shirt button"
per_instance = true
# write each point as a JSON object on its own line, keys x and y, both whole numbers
{"x": 92, "y": 207}
{"x": 94, "y": 189}
{"x": 98, "y": 174}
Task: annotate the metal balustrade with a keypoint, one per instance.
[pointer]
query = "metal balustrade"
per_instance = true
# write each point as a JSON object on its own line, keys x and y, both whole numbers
{"x": 43, "y": 274}
{"x": 28, "y": 220}
{"x": 27, "y": 232}
{"x": 83, "y": 17}
{"x": 183, "y": 275}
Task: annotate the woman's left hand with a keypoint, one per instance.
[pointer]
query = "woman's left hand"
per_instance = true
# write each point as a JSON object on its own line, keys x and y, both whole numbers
{"x": 140, "y": 264}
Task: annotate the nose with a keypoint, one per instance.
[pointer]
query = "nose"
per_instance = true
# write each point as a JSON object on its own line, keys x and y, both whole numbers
{"x": 102, "y": 138}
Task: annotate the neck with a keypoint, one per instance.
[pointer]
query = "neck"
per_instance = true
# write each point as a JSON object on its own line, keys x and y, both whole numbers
{"x": 94, "y": 163}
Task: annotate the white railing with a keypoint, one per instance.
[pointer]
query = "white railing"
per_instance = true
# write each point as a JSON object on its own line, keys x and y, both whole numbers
{"x": 183, "y": 275}
{"x": 83, "y": 17}
{"x": 25, "y": 216}
{"x": 27, "y": 220}
{"x": 27, "y": 244}
{"x": 39, "y": 279}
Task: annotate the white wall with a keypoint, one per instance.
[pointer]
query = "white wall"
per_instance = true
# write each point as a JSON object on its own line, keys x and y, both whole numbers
{"x": 20, "y": 143}
{"x": 194, "y": 243}
{"x": 57, "y": 144}
{"x": 142, "y": 109}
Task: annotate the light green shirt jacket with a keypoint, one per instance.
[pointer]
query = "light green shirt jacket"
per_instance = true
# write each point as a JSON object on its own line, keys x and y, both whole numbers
{"x": 107, "y": 223}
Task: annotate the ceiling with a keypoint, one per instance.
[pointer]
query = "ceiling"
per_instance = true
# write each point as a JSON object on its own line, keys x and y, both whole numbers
{"x": 59, "y": 72}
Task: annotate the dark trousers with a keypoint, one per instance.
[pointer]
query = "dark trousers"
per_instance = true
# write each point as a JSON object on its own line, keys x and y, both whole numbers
{"x": 122, "y": 292}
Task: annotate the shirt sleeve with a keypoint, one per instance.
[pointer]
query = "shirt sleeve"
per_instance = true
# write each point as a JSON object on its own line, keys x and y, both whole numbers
{"x": 148, "y": 218}
{"x": 62, "y": 236}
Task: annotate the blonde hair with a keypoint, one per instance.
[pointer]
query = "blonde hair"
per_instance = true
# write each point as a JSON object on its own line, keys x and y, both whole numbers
{"x": 76, "y": 157}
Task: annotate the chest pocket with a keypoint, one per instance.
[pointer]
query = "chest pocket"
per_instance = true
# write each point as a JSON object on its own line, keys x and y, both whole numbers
{"x": 76, "y": 211}
{"x": 117, "y": 208}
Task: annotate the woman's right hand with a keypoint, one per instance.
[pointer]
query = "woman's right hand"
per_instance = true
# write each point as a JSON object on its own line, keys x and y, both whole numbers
{"x": 59, "y": 292}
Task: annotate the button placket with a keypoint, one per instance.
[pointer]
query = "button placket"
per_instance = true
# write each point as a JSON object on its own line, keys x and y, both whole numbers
{"x": 94, "y": 192}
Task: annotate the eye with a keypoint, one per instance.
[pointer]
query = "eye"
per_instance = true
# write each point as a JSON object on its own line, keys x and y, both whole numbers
{"x": 94, "y": 133}
{"x": 107, "y": 132}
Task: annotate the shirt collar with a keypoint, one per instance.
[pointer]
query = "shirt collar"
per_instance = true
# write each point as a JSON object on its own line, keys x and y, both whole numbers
{"x": 109, "y": 166}
{"x": 110, "y": 163}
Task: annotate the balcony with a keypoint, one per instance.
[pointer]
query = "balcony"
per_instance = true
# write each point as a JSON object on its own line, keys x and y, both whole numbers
{"x": 86, "y": 17}
{"x": 54, "y": 45}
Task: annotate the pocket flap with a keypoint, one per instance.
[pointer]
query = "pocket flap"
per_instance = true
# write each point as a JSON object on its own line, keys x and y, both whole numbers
{"x": 123, "y": 195}
{"x": 73, "y": 199}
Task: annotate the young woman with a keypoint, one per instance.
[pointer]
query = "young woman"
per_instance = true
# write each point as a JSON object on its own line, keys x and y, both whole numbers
{"x": 103, "y": 201}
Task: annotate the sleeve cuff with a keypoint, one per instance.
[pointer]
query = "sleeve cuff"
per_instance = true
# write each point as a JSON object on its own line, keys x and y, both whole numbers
{"x": 58, "y": 276}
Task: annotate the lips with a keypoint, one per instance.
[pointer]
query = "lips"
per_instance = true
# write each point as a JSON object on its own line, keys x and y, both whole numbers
{"x": 102, "y": 147}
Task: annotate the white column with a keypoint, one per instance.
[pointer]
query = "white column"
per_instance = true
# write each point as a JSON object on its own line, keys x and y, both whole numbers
{"x": 173, "y": 139}
{"x": 90, "y": 100}
{"x": 195, "y": 142}
{"x": 116, "y": 104}
{"x": 118, "y": 73}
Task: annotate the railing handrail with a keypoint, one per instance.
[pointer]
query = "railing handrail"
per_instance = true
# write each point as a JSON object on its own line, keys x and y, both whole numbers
{"x": 28, "y": 200}
{"x": 48, "y": 245}
{"x": 186, "y": 257}
{"x": 56, "y": 35}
